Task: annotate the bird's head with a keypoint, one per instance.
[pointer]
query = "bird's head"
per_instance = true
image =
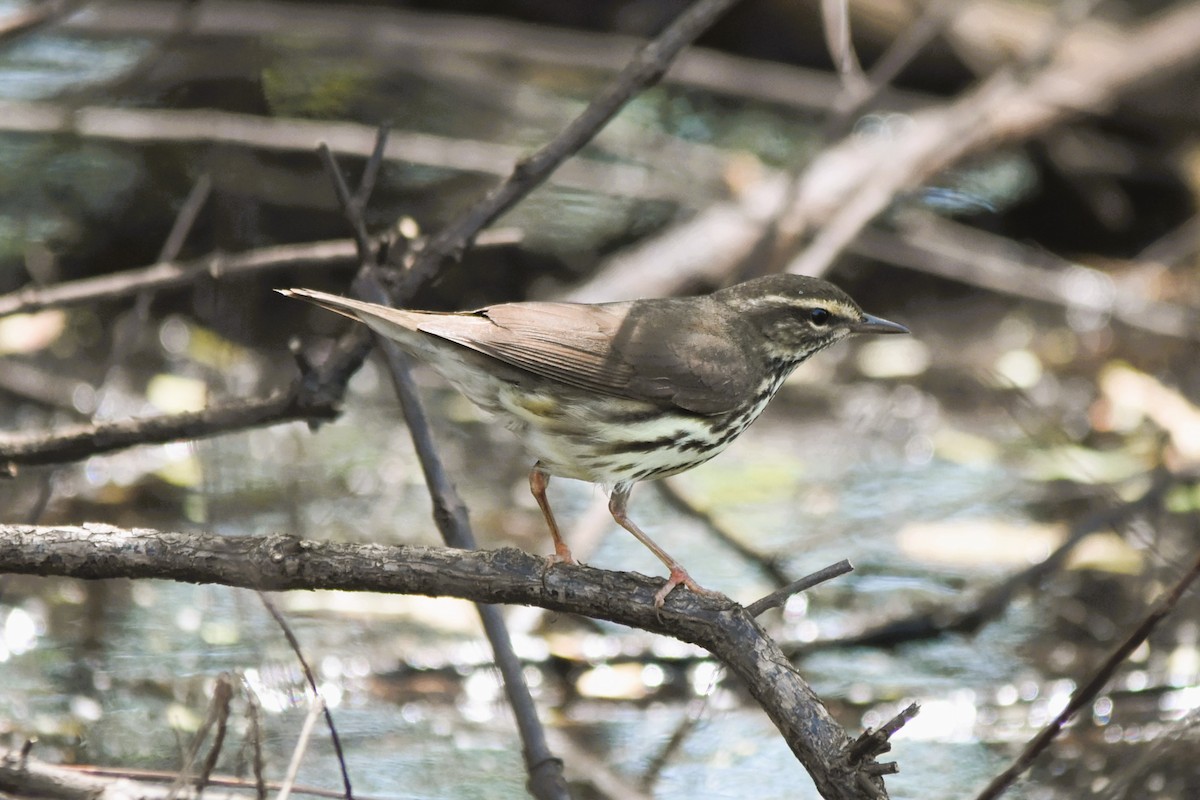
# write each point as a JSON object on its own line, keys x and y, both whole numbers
{"x": 799, "y": 315}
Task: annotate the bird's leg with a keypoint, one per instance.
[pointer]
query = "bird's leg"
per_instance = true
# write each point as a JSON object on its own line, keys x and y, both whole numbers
{"x": 616, "y": 506}
{"x": 539, "y": 479}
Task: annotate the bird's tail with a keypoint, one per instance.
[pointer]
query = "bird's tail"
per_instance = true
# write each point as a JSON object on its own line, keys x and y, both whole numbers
{"x": 394, "y": 323}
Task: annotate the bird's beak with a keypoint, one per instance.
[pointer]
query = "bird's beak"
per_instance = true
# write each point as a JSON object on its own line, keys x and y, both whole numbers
{"x": 872, "y": 324}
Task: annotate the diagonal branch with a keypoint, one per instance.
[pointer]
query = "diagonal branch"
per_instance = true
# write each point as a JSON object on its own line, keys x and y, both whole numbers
{"x": 645, "y": 69}
{"x": 969, "y": 617}
{"x": 1087, "y": 693}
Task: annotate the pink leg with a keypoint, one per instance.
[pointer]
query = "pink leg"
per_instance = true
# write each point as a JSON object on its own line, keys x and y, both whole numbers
{"x": 679, "y": 575}
{"x": 539, "y": 479}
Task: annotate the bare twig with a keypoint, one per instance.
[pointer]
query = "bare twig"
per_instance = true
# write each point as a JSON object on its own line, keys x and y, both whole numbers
{"x": 777, "y": 241}
{"x": 835, "y": 14}
{"x": 310, "y": 719}
{"x": 353, "y": 203}
{"x": 82, "y": 441}
{"x": 225, "y": 266}
{"x": 294, "y": 643}
{"x": 222, "y": 695}
{"x": 278, "y": 563}
{"x": 873, "y": 744}
{"x": 689, "y": 722}
{"x": 254, "y": 736}
{"x": 1084, "y": 695}
{"x": 43, "y": 386}
{"x": 933, "y": 19}
{"x": 45, "y": 490}
{"x": 218, "y": 713}
{"x": 366, "y": 184}
{"x": 781, "y": 595}
{"x": 129, "y": 326}
{"x": 590, "y": 766}
{"x": 876, "y": 742}
{"x": 193, "y": 204}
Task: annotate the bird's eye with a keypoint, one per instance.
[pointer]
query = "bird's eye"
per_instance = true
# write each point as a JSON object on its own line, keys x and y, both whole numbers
{"x": 819, "y": 317}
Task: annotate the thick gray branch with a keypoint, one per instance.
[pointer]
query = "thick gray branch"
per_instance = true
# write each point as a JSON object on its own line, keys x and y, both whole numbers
{"x": 280, "y": 563}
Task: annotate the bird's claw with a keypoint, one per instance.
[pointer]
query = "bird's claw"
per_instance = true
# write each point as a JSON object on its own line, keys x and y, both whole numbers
{"x": 680, "y": 577}
{"x": 562, "y": 555}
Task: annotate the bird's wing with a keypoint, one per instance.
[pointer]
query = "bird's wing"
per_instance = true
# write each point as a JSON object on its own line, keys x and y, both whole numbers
{"x": 629, "y": 349}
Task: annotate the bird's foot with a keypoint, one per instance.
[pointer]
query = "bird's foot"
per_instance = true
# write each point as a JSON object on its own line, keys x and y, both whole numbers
{"x": 680, "y": 577}
{"x": 562, "y": 555}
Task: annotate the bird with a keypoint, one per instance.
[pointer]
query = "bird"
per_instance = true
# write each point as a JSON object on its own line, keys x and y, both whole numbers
{"x": 622, "y": 392}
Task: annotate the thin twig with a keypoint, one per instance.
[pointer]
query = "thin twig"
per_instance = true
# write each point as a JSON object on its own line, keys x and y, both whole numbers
{"x": 1084, "y": 695}
{"x": 45, "y": 490}
{"x": 76, "y": 443}
{"x": 1002, "y": 108}
{"x": 254, "y": 735}
{"x": 450, "y": 515}
{"x": 777, "y": 239}
{"x": 848, "y": 184}
{"x": 225, "y": 266}
{"x": 141, "y": 126}
{"x": 128, "y": 326}
{"x": 218, "y": 708}
{"x": 781, "y": 595}
{"x": 374, "y": 165}
{"x": 690, "y": 721}
{"x": 876, "y": 742}
{"x": 438, "y": 37}
{"x": 310, "y": 719}
{"x": 835, "y": 14}
{"x": 185, "y": 220}
{"x": 899, "y": 54}
{"x": 591, "y": 766}
{"x": 294, "y": 643}
{"x": 222, "y": 696}
{"x": 352, "y": 205}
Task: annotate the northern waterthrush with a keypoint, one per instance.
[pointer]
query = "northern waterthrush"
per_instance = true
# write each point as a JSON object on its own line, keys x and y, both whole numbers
{"x": 616, "y": 393}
